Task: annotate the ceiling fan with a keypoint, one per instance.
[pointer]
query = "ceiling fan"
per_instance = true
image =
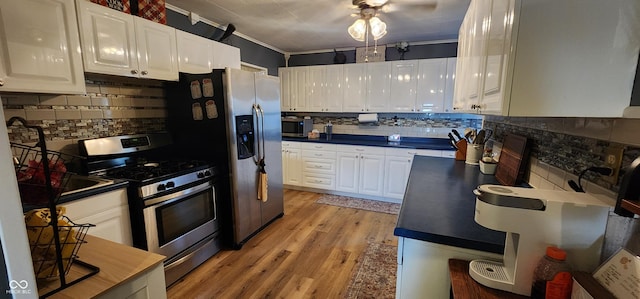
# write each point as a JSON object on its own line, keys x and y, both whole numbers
{"x": 369, "y": 22}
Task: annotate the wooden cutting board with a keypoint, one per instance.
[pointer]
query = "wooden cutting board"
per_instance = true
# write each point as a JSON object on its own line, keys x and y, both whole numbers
{"x": 510, "y": 169}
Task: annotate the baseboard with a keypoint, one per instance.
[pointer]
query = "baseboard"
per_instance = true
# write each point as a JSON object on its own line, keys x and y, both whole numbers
{"x": 334, "y": 192}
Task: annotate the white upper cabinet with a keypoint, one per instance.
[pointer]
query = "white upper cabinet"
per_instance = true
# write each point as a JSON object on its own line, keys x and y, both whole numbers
{"x": 355, "y": 87}
{"x": 549, "y": 58}
{"x": 157, "y": 50}
{"x": 225, "y": 56}
{"x": 115, "y": 43}
{"x": 404, "y": 75}
{"x": 316, "y": 79}
{"x": 378, "y": 86}
{"x": 40, "y": 47}
{"x": 432, "y": 82}
{"x": 298, "y": 95}
{"x": 450, "y": 81}
{"x": 334, "y": 88}
{"x": 195, "y": 53}
{"x": 285, "y": 87}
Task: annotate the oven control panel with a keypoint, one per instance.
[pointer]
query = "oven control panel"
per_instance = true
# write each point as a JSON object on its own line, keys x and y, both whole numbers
{"x": 174, "y": 182}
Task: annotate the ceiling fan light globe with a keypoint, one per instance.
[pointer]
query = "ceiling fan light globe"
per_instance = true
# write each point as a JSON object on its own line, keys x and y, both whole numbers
{"x": 376, "y": 3}
{"x": 378, "y": 27}
{"x": 358, "y": 30}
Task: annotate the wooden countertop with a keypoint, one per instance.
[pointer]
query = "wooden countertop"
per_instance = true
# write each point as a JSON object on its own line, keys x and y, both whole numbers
{"x": 464, "y": 287}
{"x": 118, "y": 263}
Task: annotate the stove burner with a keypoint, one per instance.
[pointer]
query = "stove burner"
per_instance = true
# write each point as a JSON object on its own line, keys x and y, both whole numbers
{"x": 151, "y": 170}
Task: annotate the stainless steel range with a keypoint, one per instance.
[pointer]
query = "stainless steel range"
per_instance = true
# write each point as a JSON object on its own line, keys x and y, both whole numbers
{"x": 172, "y": 202}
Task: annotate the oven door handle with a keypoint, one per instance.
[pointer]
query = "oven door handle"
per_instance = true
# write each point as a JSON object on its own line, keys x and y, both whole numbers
{"x": 169, "y": 198}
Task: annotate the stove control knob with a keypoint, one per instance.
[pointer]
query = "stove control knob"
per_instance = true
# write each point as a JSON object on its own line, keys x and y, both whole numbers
{"x": 207, "y": 173}
{"x": 161, "y": 187}
{"x": 201, "y": 175}
{"x": 171, "y": 184}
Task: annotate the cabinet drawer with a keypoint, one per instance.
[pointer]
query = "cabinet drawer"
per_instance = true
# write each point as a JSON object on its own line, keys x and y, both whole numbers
{"x": 360, "y": 149}
{"x": 290, "y": 144}
{"x": 310, "y": 165}
{"x": 407, "y": 152}
{"x": 318, "y": 146}
{"x": 318, "y": 154}
{"x": 320, "y": 181}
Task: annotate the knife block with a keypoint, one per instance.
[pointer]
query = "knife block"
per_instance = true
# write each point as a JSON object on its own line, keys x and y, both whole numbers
{"x": 461, "y": 152}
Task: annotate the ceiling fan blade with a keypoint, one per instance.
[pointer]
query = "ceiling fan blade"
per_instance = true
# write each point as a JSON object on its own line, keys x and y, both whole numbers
{"x": 396, "y": 5}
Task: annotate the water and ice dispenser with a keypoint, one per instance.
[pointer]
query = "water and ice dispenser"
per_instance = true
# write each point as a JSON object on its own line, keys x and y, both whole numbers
{"x": 244, "y": 136}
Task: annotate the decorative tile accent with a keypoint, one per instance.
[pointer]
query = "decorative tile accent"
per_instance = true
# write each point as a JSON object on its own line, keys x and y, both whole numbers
{"x": 53, "y": 100}
{"x": 68, "y": 114}
{"x": 41, "y": 114}
{"x": 79, "y": 101}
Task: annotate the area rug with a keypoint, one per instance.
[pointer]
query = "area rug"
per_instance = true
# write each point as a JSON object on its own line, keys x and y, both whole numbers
{"x": 359, "y": 203}
{"x": 376, "y": 275}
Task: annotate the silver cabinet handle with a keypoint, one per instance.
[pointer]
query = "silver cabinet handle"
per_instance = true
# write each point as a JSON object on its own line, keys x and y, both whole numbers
{"x": 318, "y": 155}
{"x": 134, "y": 72}
{"x": 144, "y": 73}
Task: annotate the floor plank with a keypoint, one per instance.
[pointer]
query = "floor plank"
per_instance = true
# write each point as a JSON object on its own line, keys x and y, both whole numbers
{"x": 310, "y": 253}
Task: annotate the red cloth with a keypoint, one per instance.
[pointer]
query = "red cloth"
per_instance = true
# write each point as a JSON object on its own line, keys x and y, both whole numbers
{"x": 153, "y": 10}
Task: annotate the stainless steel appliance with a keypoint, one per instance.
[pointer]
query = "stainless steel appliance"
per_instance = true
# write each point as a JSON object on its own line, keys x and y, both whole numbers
{"x": 296, "y": 127}
{"x": 232, "y": 118}
{"x": 172, "y": 201}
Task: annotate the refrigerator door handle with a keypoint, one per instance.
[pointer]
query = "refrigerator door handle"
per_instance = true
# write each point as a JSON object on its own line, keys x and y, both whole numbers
{"x": 256, "y": 130}
{"x": 262, "y": 139}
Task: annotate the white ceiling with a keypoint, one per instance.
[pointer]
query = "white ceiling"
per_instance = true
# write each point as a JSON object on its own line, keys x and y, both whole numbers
{"x": 306, "y": 26}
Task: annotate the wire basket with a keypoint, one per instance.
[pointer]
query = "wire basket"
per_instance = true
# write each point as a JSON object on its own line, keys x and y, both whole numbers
{"x": 43, "y": 247}
{"x": 37, "y": 172}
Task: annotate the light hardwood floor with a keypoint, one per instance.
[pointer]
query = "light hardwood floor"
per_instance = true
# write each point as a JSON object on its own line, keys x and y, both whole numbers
{"x": 309, "y": 253}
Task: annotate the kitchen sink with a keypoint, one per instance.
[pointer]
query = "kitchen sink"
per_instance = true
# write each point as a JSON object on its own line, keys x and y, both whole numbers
{"x": 78, "y": 183}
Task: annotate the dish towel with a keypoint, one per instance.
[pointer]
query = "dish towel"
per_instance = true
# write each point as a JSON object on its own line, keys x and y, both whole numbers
{"x": 262, "y": 182}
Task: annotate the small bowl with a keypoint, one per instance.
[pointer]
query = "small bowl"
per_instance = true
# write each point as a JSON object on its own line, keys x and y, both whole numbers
{"x": 488, "y": 167}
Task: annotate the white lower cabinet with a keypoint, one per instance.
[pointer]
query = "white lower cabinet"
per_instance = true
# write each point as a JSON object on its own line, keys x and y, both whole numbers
{"x": 360, "y": 169}
{"x": 374, "y": 172}
{"x": 291, "y": 163}
{"x": 319, "y": 165}
{"x": 423, "y": 267}
{"x": 108, "y": 211}
{"x": 150, "y": 284}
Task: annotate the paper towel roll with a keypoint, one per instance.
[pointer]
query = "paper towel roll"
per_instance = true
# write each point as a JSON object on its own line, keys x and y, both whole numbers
{"x": 368, "y": 118}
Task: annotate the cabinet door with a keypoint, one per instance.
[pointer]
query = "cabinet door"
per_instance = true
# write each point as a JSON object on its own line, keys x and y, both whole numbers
{"x": 404, "y": 77}
{"x": 396, "y": 171}
{"x": 157, "y": 53}
{"x": 298, "y": 95}
{"x": 316, "y": 88}
{"x": 40, "y": 45}
{"x": 348, "y": 172}
{"x": 497, "y": 49}
{"x": 334, "y": 88}
{"x": 450, "y": 81}
{"x": 195, "y": 53}
{"x": 108, "y": 40}
{"x": 355, "y": 87}
{"x": 108, "y": 211}
{"x": 371, "y": 174}
{"x": 294, "y": 167}
{"x": 431, "y": 85}
{"x": 285, "y": 89}
{"x": 460, "y": 103}
{"x": 378, "y": 86}
{"x": 225, "y": 56}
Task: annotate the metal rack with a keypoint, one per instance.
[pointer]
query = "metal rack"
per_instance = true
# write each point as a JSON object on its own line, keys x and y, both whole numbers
{"x": 42, "y": 176}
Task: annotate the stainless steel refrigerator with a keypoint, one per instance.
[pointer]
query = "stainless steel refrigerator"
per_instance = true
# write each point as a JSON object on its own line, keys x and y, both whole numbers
{"x": 232, "y": 119}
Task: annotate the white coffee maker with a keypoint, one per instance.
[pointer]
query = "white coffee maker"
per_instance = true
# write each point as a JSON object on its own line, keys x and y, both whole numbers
{"x": 534, "y": 219}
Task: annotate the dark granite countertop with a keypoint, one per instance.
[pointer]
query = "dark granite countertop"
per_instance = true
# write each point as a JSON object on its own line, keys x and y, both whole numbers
{"x": 117, "y": 184}
{"x": 370, "y": 140}
{"x": 439, "y": 205}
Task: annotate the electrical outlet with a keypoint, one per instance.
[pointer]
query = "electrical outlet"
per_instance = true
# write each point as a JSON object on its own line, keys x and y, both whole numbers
{"x": 613, "y": 159}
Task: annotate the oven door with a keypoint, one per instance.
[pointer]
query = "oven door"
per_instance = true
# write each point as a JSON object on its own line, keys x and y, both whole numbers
{"x": 179, "y": 220}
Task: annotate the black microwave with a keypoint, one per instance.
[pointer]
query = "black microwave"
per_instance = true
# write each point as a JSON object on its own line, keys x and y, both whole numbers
{"x": 296, "y": 127}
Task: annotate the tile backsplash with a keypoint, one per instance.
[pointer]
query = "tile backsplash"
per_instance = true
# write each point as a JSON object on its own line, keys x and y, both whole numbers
{"x": 431, "y": 125}
{"x": 112, "y": 106}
